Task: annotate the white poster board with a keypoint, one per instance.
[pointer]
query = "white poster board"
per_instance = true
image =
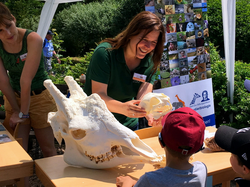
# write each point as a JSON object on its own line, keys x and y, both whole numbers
{"x": 197, "y": 95}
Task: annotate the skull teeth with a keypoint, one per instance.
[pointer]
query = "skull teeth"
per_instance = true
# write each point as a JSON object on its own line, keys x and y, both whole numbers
{"x": 115, "y": 150}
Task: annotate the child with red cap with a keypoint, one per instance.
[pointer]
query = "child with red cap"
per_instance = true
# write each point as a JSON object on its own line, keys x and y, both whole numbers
{"x": 236, "y": 141}
{"x": 182, "y": 135}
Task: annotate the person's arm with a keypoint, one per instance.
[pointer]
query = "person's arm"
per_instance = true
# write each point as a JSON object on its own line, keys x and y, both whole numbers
{"x": 129, "y": 109}
{"x": 145, "y": 88}
{"x": 58, "y": 60}
{"x": 34, "y": 47}
{"x": 6, "y": 88}
{"x": 125, "y": 181}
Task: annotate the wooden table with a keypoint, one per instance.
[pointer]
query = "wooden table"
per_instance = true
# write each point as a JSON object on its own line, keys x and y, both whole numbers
{"x": 15, "y": 163}
{"x": 54, "y": 171}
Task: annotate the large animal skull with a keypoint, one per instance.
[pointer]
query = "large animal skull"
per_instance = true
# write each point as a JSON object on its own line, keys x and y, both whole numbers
{"x": 156, "y": 104}
{"x": 93, "y": 136}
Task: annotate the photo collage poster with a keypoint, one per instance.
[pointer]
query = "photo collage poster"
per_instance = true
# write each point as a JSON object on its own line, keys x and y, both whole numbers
{"x": 186, "y": 50}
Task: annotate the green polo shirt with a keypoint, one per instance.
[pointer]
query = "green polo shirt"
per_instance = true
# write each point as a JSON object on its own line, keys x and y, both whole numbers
{"x": 109, "y": 67}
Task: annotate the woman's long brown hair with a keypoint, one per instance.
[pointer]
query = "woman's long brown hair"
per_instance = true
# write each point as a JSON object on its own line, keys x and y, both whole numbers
{"x": 143, "y": 22}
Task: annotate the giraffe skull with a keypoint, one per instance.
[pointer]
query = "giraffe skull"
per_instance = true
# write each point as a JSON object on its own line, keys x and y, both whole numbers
{"x": 92, "y": 135}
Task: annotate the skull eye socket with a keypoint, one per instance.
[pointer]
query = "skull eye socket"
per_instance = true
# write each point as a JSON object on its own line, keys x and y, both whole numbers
{"x": 78, "y": 134}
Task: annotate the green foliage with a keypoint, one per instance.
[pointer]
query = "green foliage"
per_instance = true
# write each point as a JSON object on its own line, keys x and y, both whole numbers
{"x": 26, "y": 12}
{"x": 2, "y": 108}
{"x": 57, "y": 43}
{"x": 82, "y": 25}
{"x": 242, "y": 27}
{"x": 223, "y": 108}
{"x": 70, "y": 67}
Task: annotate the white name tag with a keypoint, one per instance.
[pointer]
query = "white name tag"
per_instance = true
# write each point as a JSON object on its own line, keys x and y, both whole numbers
{"x": 23, "y": 57}
{"x": 139, "y": 77}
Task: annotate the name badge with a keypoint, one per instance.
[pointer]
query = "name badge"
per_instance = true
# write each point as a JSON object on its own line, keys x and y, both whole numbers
{"x": 139, "y": 77}
{"x": 23, "y": 57}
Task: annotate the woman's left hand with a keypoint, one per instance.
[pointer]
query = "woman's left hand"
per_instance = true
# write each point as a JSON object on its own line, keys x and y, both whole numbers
{"x": 154, "y": 122}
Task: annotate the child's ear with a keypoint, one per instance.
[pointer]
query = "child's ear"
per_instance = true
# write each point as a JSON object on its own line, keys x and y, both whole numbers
{"x": 246, "y": 170}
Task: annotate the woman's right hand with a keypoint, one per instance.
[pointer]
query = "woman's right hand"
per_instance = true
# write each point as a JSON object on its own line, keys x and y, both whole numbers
{"x": 14, "y": 120}
{"x": 132, "y": 110}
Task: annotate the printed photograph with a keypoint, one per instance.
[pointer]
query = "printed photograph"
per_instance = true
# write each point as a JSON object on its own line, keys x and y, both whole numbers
{"x": 192, "y": 62}
{"x": 193, "y": 75}
{"x": 175, "y": 81}
{"x": 191, "y": 52}
{"x": 200, "y": 50}
{"x": 181, "y": 45}
{"x": 180, "y": 27}
{"x": 173, "y": 56}
{"x": 164, "y": 66}
{"x": 169, "y": 9}
{"x": 184, "y": 70}
{"x": 173, "y": 64}
{"x": 201, "y": 67}
{"x": 172, "y": 46}
{"x": 179, "y": 8}
{"x": 171, "y": 37}
{"x": 183, "y": 62}
{"x": 182, "y": 54}
{"x": 165, "y": 83}
{"x": 189, "y": 17}
{"x": 201, "y": 58}
{"x": 198, "y": 25}
{"x": 199, "y": 34}
{"x": 181, "y": 36}
{"x": 191, "y": 43}
{"x": 197, "y": 14}
{"x": 200, "y": 42}
{"x": 190, "y": 27}
{"x": 202, "y": 75}
{"x": 171, "y": 28}
{"x": 184, "y": 79}
{"x": 188, "y": 8}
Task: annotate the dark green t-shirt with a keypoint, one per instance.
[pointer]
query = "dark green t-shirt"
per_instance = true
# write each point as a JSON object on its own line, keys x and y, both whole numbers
{"x": 14, "y": 63}
{"x": 109, "y": 67}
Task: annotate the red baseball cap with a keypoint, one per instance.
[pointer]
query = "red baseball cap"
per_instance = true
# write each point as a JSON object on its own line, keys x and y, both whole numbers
{"x": 183, "y": 130}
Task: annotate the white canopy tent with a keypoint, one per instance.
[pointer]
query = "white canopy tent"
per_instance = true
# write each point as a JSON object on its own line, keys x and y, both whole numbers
{"x": 228, "y": 14}
{"x": 47, "y": 15}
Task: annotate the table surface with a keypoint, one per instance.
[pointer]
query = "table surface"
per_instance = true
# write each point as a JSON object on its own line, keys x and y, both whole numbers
{"x": 15, "y": 162}
{"x": 54, "y": 171}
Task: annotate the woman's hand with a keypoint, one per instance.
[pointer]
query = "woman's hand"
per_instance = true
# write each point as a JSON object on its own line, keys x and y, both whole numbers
{"x": 125, "y": 181}
{"x": 132, "y": 110}
{"x": 14, "y": 120}
{"x": 154, "y": 122}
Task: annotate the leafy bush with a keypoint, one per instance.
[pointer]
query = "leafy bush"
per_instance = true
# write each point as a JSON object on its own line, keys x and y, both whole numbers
{"x": 70, "y": 67}
{"x": 242, "y": 27}
{"x": 82, "y": 25}
{"x": 223, "y": 108}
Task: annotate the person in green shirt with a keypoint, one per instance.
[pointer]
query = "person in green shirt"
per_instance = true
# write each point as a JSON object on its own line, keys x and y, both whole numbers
{"x": 26, "y": 101}
{"x": 122, "y": 69}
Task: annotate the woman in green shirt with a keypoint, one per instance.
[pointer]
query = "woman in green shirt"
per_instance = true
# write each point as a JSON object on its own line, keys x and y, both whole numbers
{"x": 122, "y": 69}
{"x": 22, "y": 73}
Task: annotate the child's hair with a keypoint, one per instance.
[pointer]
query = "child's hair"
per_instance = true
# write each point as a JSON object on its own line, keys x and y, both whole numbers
{"x": 182, "y": 131}
{"x": 235, "y": 141}
{"x": 5, "y": 14}
{"x": 239, "y": 160}
{"x": 176, "y": 154}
